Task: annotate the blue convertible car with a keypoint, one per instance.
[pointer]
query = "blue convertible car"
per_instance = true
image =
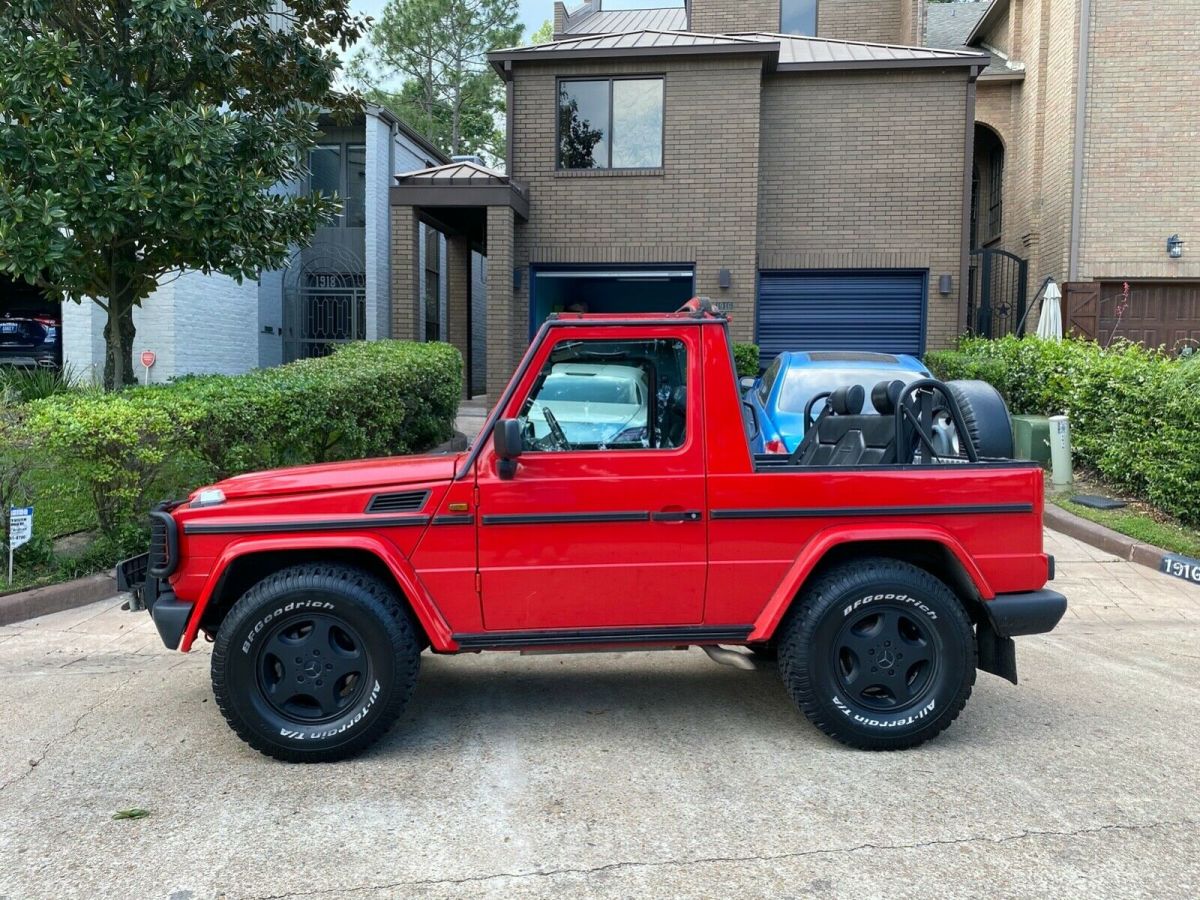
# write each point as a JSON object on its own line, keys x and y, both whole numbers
{"x": 780, "y": 396}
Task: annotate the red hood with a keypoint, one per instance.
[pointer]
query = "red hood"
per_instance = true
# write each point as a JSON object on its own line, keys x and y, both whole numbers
{"x": 359, "y": 473}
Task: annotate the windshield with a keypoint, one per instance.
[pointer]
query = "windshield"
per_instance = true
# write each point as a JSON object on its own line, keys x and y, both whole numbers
{"x": 801, "y": 384}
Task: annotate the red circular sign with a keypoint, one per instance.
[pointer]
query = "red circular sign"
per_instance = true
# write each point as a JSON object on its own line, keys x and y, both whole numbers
{"x": 148, "y": 358}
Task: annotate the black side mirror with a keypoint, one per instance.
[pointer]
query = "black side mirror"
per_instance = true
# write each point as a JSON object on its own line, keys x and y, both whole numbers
{"x": 506, "y": 440}
{"x": 752, "y": 426}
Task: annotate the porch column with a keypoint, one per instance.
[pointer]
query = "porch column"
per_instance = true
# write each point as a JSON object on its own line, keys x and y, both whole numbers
{"x": 458, "y": 300}
{"x": 406, "y": 284}
{"x": 501, "y": 360}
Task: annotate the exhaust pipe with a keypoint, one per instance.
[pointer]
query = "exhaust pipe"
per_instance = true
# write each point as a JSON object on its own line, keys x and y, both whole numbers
{"x": 726, "y": 657}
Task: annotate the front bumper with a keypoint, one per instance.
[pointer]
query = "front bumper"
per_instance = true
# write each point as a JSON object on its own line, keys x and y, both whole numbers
{"x": 149, "y": 592}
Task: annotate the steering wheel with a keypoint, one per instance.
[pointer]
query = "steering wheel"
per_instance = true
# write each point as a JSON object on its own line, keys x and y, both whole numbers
{"x": 556, "y": 432}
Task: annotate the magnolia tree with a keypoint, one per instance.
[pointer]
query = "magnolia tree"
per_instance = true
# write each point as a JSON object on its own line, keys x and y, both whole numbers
{"x": 143, "y": 138}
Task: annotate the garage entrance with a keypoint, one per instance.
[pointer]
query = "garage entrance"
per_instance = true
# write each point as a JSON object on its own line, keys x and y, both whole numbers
{"x": 876, "y": 310}
{"x": 611, "y": 289}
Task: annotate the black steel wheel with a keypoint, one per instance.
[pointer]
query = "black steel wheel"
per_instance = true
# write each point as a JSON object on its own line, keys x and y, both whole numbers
{"x": 315, "y": 663}
{"x": 878, "y": 654}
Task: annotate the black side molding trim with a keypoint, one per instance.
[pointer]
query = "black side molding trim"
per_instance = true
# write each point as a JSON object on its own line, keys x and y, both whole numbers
{"x": 673, "y": 634}
{"x": 565, "y": 518}
{"x": 1035, "y": 612}
{"x": 454, "y": 520}
{"x": 291, "y": 527}
{"x": 815, "y": 512}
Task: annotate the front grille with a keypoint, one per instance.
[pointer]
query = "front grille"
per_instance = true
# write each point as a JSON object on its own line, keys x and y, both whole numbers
{"x": 164, "y": 544}
{"x": 407, "y": 501}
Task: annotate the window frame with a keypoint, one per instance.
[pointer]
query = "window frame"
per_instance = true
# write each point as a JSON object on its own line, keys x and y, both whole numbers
{"x": 346, "y": 150}
{"x": 995, "y": 193}
{"x": 536, "y": 380}
{"x": 343, "y": 148}
{"x": 816, "y": 20}
{"x": 610, "y": 80}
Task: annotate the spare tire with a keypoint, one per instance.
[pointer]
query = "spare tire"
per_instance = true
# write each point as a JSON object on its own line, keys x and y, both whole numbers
{"x": 986, "y": 416}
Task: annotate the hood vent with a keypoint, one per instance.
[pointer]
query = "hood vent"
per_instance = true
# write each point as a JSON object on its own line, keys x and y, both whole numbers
{"x": 407, "y": 501}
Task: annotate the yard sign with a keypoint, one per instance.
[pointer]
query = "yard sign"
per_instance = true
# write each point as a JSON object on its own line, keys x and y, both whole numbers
{"x": 20, "y": 532}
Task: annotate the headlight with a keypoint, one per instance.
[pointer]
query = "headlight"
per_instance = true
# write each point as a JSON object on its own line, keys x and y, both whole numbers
{"x": 209, "y": 497}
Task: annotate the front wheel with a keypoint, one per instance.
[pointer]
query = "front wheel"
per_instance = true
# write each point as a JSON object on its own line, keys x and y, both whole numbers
{"x": 878, "y": 654}
{"x": 315, "y": 663}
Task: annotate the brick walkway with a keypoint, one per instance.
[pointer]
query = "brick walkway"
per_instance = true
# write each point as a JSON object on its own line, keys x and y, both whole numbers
{"x": 1103, "y": 589}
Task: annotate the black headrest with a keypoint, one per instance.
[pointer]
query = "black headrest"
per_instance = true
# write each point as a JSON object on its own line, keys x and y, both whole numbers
{"x": 885, "y": 396}
{"x": 847, "y": 400}
{"x": 679, "y": 396}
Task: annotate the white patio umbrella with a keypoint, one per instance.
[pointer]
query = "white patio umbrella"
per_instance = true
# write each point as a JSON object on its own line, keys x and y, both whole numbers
{"x": 1050, "y": 321}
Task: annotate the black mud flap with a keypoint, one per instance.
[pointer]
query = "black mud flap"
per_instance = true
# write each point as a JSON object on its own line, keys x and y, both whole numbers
{"x": 997, "y": 654}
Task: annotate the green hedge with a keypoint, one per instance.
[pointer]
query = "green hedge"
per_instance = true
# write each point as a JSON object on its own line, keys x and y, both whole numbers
{"x": 1135, "y": 413}
{"x": 134, "y": 447}
{"x": 745, "y": 360}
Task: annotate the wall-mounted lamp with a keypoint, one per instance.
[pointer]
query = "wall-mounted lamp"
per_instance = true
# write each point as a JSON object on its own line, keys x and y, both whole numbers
{"x": 1174, "y": 246}
{"x": 725, "y": 279}
{"x": 945, "y": 284}
{"x": 516, "y": 279}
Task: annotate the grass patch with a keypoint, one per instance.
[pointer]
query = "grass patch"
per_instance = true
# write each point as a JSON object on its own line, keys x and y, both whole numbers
{"x": 1138, "y": 520}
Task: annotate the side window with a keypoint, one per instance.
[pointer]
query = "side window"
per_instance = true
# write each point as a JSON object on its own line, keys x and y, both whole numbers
{"x": 608, "y": 395}
{"x": 768, "y": 380}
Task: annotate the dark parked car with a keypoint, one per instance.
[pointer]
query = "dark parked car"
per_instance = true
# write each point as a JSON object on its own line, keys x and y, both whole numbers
{"x": 30, "y": 341}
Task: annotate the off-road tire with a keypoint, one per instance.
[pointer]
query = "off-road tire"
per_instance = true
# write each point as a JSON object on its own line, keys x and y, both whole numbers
{"x": 295, "y": 598}
{"x": 827, "y": 614}
{"x": 986, "y": 416}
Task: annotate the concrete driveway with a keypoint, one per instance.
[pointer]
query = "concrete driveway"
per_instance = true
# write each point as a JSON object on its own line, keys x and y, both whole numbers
{"x": 616, "y": 775}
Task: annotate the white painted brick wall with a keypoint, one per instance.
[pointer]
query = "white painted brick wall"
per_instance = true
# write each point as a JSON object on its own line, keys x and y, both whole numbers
{"x": 378, "y": 140}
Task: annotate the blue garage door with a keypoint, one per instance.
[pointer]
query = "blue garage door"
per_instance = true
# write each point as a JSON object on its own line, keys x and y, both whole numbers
{"x": 881, "y": 311}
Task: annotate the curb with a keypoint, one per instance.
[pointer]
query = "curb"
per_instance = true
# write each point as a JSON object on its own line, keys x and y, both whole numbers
{"x": 56, "y": 597}
{"x": 1102, "y": 538}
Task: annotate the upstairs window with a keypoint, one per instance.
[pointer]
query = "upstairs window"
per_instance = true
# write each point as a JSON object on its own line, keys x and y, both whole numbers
{"x": 339, "y": 170}
{"x": 613, "y": 123}
{"x": 798, "y": 17}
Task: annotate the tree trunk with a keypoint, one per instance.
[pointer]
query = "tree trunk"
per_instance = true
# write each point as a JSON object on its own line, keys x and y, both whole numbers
{"x": 118, "y": 343}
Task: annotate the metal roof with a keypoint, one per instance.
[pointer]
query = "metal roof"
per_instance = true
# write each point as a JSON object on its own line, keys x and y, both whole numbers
{"x": 467, "y": 173}
{"x": 950, "y": 24}
{"x": 808, "y": 53}
{"x": 789, "y": 52}
{"x": 611, "y": 21}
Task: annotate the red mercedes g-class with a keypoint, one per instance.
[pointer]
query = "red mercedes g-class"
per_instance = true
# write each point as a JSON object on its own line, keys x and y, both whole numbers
{"x": 612, "y": 501}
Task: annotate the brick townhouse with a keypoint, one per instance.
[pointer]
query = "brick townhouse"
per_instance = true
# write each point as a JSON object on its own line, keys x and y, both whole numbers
{"x": 1087, "y": 160}
{"x": 806, "y": 164}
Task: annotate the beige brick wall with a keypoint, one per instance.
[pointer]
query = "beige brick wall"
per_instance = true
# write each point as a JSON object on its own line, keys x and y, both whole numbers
{"x": 850, "y": 177}
{"x": 405, "y": 275}
{"x": 1142, "y": 141}
{"x": 503, "y": 314}
{"x": 721, "y": 16}
{"x": 878, "y": 21}
{"x": 702, "y": 207}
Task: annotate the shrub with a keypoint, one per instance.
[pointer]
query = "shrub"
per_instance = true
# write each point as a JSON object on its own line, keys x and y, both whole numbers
{"x": 148, "y": 443}
{"x": 1134, "y": 412}
{"x": 745, "y": 360}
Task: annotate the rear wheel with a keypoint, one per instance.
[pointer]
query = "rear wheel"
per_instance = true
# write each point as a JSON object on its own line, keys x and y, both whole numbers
{"x": 878, "y": 654}
{"x": 315, "y": 663}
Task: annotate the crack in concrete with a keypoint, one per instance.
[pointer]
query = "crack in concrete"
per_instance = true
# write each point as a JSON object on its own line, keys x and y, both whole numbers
{"x": 702, "y": 860}
{"x": 53, "y": 742}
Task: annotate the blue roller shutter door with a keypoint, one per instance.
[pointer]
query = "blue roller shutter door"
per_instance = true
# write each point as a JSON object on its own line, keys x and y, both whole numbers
{"x": 880, "y": 311}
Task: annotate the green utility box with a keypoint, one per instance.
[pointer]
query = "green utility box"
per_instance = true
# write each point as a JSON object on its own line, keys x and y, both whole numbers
{"x": 1031, "y": 438}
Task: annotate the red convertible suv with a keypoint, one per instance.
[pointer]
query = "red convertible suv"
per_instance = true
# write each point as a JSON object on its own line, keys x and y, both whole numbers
{"x": 624, "y": 513}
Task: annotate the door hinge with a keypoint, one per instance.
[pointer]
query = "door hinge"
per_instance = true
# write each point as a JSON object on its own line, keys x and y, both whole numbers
{"x": 476, "y": 496}
{"x": 478, "y": 583}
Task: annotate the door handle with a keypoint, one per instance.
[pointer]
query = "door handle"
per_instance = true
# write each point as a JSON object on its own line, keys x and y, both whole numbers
{"x": 678, "y": 515}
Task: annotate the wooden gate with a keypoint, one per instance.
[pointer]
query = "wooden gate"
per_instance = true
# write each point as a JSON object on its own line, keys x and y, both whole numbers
{"x": 1155, "y": 314}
